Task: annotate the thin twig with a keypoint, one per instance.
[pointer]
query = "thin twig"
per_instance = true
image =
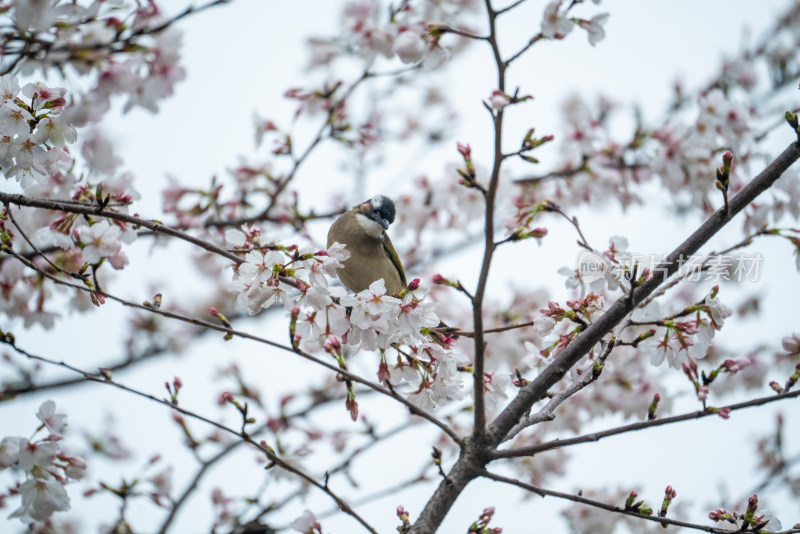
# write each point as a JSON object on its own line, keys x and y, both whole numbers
{"x": 589, "y": 375}
{"x": 574, "y": 222}
{"x": 206, "y": 465}
{"x": 597, "y": 436}
{"x": 449, "y": 29}
{"x": 510, "y": 7}
{"x": 297, "y": 162}
{"x": 533, "y": 40}
{"x": 489, "y": 244}
{"x": 93, "y": 211}
{"x": 455, "y": 333}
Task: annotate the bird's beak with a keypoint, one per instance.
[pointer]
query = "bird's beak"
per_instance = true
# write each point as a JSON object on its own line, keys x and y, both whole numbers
{"x": 385, "y": 224}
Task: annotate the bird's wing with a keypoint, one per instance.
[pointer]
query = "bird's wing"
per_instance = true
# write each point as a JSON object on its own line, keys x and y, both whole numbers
{"x": 389, "y": 249}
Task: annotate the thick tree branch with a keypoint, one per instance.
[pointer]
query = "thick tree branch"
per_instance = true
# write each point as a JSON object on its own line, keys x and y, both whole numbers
{"x": 537, "y": 390}
{"x": 475, "y": 453}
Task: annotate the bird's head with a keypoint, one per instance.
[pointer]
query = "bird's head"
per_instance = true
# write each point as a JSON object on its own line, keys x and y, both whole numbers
{"x": 376, "y": 214}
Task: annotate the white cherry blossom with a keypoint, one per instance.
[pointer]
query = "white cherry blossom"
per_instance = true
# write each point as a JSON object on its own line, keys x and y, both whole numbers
{"x": 555, "y": 25}
{"x": 102, "y": 239}
{"x": 40, "y": 499}
{"x": 307, "y": 523}
{"x": 55, "y": 422}
{"x": 9, "y": 451}
{"x": 594, "y": 28}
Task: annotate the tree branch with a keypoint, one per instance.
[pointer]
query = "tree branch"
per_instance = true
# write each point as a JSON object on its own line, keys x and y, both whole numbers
{"x": 265, "y": 449}
{"x": 93, "y": 210}
{"x": 536, "y": 390}
{"x": 474, "y": 453}
{"x": 587, "y": 376}
{"x": 489, "y": 244}
{"x": 597, "y": 436}
{"x": 220, "y": 328}
{"x": 610, "y": 507}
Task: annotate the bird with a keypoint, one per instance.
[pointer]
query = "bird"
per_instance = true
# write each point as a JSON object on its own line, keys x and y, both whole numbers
{"x": 362, "y": 229}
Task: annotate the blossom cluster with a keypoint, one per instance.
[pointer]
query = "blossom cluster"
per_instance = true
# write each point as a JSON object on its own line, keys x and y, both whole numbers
{"x": 325, "y": 317}
{"x": 556, "y": 23}
{"x": 122, "y": 48}
{"x": 47, "y": 467}
{"x": 681, "y": 150}
{"x": 74, "y": 244}
{"x": 677, "y": 341}
{"x": 33, "y": 132}
{"x": 407, "y": 33}
{"x": 125, "y": 43}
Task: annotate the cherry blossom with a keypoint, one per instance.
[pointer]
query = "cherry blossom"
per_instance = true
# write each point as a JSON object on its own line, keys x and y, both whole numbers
{"x": 101, "y": 239}
{"x": 594, "y": 28}
{"x": 307, "y": 523}
{"x": 256, "y": 283}
{"x": 409, "y": 46}
{"x": 496, "y": 385}
{"x": 55, "y": 422}
{"x": 47, "y": 468}
{"x": 555, "y": 25}
{"x": 499, "y": 100}
{"x": 40, "y": 499}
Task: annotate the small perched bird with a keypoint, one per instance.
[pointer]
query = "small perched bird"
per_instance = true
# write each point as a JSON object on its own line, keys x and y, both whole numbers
{"x": 362, "y": 230}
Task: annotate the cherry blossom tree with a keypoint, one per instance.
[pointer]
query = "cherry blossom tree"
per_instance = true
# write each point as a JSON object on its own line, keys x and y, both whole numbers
{"x": 318, "y": 403}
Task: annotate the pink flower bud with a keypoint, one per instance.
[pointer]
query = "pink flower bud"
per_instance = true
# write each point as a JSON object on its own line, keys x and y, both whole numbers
{"x": 727, "y": 157}
{"x": 718, "y": 515}
{"x": 499, "y": 100}
{"x": 538, "y": 232}
{"x": 752, "y": 503}
{"x": 333, "y": 345}
{"x": 383, "y": 373}
{"x": 464, "y": 150}
{"x": 413, "y": 285}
